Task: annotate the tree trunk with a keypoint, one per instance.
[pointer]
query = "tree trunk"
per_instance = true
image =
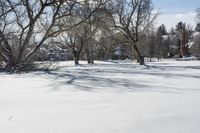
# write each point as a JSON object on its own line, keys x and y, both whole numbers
{"x": 90, "y": 59}
{"x": 11, "y": 61}
{"x": 76, "y": 61}
{"x": 139, "y": 57}
{"x": 76, "y": 57}
{"x": 89, "y": 55}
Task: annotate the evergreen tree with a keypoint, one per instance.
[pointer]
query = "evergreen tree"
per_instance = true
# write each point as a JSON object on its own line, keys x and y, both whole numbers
{"x": 183, "y": 39}
{"x": 162, "y": 30}
{"x": 162, "y": 46}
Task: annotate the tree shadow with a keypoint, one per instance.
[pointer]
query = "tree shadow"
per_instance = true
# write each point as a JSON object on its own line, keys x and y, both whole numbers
{"x": 109, "y": 77}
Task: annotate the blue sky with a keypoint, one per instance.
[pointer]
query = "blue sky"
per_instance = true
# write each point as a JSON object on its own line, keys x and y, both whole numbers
{"x": 173, "y": 11}
{"x": 177, "y": 5}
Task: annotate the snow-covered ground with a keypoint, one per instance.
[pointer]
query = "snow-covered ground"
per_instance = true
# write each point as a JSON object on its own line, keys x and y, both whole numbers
{"x": 107, "y": 97}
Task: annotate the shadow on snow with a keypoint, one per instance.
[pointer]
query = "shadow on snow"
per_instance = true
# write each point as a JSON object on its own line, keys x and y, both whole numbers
{"x": 117, "y": 77}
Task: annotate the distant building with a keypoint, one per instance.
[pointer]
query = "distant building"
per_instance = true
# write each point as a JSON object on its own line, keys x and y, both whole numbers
{"x": 51, "y": 53}
{"x": 121, "y": 52}
{"x": 58, "y": 55}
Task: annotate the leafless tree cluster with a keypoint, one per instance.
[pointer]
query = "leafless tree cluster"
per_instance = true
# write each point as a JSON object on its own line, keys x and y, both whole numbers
{"x": 132, "y": 19}
{"x": 92, "y": 27}
{"x": 27, "y": 24}
{"x": 85, "y": 35}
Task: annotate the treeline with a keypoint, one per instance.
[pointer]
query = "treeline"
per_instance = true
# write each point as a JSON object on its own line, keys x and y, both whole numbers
{"x": 85, "y": 29}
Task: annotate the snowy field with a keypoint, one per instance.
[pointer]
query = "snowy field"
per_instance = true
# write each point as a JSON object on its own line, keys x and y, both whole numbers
{"x": 107, "y": 97}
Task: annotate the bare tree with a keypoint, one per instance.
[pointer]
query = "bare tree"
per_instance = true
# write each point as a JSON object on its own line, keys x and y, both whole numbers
{"x": 28, "y": 24}
{"x": 132, "y": 18}
{"x": 85, "y": 33}
{"x": 73, "y": 42}
{"x": 31, "y": 23}
{"x": 89, "y": 30}
{"x": 95, "y": 26}
{"x": 150, "y": 46}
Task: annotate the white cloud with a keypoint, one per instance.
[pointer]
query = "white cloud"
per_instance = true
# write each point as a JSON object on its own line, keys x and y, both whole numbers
{"x": 171, "y": 19}
{"x": 179, "y": 16}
